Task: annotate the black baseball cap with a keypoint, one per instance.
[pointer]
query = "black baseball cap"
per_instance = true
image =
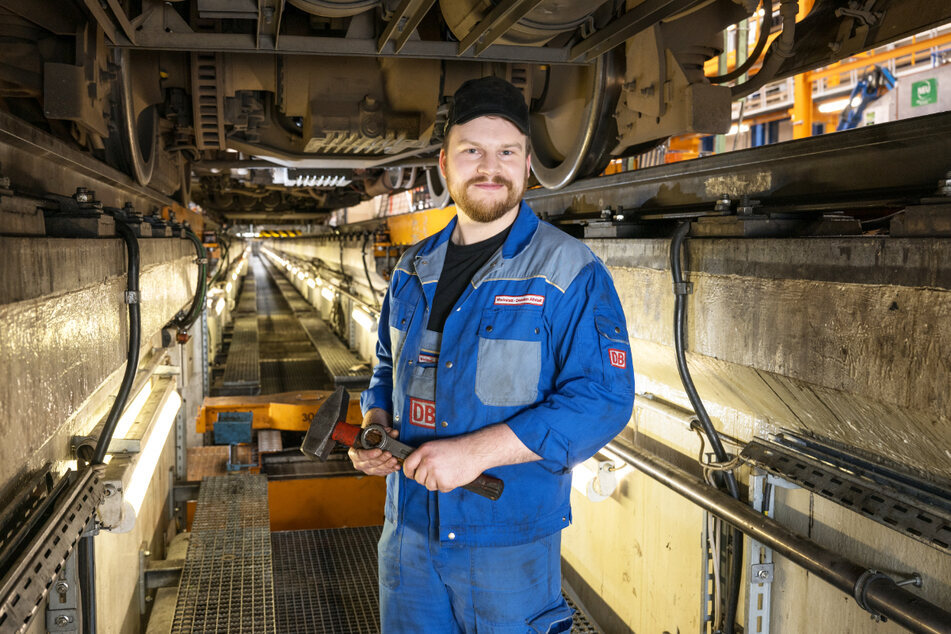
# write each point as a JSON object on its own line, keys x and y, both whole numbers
{"x": 488, "y": 96}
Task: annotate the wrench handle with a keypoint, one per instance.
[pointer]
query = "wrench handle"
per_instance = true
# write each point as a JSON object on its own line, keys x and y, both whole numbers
{"x": 486, "y": 486}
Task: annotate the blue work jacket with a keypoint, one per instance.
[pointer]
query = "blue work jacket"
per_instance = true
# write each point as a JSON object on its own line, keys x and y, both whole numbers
{"x": 537, "y": 341}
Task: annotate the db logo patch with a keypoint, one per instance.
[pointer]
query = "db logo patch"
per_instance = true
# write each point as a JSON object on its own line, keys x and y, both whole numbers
{"x": 426, "y": 358}
{"x": 618, "y": 358}
{"x": 422, "y": 413}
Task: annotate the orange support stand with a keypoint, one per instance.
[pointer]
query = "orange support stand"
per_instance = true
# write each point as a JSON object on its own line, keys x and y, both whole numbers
{"x": 288, "y": 411}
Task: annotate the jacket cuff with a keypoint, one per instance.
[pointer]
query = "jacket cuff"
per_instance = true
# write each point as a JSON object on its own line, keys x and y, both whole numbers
{"x": 378, "y": 396}
{"x": 553, "y": 448}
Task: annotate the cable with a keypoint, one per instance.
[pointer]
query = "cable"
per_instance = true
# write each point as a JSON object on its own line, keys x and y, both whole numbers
{"x": 757, "y": 50}
{"x": 135, "y": 335}
{"x": 366, "y": 270}
{"x": 781, "y": 48}
{"x": 681, "y": 289}
{"x": 184, "y": 322}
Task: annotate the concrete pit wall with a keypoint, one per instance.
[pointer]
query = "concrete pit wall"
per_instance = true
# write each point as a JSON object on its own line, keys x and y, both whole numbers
{"x": 61, "y": 361}
{"x": 848, "y": 339}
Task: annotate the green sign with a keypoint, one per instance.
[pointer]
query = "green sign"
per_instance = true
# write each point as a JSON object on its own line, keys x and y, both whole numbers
{"x": 924, "y": 92}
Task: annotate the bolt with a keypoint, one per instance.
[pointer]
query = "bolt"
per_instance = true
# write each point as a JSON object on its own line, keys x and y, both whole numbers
{"x": 723, "y": 203}
{"x": 762, "y": 574}
{"x": 109, "y": 490}
{"x": 63, "y": 620}
{"x": 61, "y": 587}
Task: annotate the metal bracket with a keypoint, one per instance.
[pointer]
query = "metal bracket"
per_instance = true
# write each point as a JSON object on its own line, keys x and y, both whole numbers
{"x": 132, "y": 297}
{"x": 63, "y": 600}
{"x": 683, "y": 288}
{"x": 761, "y": 573}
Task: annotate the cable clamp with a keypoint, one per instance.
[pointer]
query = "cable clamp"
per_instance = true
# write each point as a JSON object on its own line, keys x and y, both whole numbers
{"x": 683, "y": 288}
{"x": 132, "y": 297}
{"x": 201, "y": 260}
{"x": 860, "y": 589}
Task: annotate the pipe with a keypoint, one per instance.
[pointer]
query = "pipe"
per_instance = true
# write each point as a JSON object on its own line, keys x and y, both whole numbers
{"x": 653, "y": 404}
{"x": 781, "y": 48}
{"x": 680, "y": 305}
{"x": 198, "y": 303}
{"x": 757, "y": 50}
{"x": 135, "y": 335}
{"x": 881, "y": 593}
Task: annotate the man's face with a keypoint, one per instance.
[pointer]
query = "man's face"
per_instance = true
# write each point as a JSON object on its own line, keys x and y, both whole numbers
{"x": 486, "y": 167}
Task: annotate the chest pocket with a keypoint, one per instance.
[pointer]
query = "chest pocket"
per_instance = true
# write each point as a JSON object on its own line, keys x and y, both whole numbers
{"x": 401, "y": 314}
{"x": 510, "y": 357}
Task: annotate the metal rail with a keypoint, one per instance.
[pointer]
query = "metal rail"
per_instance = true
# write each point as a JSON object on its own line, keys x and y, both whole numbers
{"x": 887, "y": 164}
{"x": 29, "y": 579}
{"x": 880, "y": 594}
{"x": 18, "y": 134}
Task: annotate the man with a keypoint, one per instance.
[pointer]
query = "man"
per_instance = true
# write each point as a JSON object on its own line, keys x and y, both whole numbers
{"x": 503, "y": 349}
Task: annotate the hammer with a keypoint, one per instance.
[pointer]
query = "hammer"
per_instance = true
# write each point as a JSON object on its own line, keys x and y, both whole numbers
{"x": 329, "y": 427}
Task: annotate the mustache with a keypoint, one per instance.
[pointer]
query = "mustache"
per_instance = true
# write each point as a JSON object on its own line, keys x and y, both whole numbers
{"x": 495, "y": 180}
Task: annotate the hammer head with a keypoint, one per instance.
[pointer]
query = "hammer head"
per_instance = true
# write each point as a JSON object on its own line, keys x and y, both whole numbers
{"x": 318, "y": 442}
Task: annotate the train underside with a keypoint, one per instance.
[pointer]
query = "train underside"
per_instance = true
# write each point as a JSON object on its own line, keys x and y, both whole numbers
{"x": 311, "y": 105}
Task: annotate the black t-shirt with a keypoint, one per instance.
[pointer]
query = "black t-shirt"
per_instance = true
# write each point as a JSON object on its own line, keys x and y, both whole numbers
{"x": 462, "y": 262}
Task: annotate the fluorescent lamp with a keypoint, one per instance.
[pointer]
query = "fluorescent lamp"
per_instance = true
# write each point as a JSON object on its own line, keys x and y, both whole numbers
{"x": 234, "y": 275}
{"x": 132, "y": 411}
{"x": 362, "y": 317}
{"x": 149, "y": 456}
{"x": 219, "y": 305}
{"x": 300, "y": 275}
{"x": 311, "y": 283}
{"x": 836, "y": 105}
{"x": 228, "y": 287}
{"x": 327, "y": 294}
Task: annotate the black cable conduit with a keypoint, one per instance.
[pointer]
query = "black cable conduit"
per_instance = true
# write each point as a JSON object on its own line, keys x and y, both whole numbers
{"x": 680, "y": 305}
{"x": 757, "y": 50}
{"x": 184, "y": 322}
{"x": 366, "y": 270}
{"x": 781, "y": 48}
{"x": 135, "y": 336}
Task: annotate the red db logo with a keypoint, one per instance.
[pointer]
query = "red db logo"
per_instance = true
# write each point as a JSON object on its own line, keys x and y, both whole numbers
{"x": 618, "y": 358}
{"x": 422, "y": 413}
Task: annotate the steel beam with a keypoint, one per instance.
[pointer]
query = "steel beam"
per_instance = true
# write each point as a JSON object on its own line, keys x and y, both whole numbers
{"x": 627, "y": 26}
{"x": 493, "y": 26}
{"x": 894, "y": 164}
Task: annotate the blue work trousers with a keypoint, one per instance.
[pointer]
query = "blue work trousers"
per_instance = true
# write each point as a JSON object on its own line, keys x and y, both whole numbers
{"x": 429, "y": 588}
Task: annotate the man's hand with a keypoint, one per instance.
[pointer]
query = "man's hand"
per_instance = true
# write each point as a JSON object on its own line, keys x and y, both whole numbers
{"x": 375, "y": 461}
{"x": 443, "y": 465}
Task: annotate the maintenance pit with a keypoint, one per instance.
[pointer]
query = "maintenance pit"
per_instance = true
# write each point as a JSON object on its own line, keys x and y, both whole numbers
{"x": 202, "y": 204}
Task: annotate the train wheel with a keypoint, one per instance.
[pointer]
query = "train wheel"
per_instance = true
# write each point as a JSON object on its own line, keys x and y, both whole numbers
{"x": 133, "y": 146}
{"x": 573, "y": 126}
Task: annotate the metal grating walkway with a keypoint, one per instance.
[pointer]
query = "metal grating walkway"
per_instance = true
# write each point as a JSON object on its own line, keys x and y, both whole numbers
{"x": 226, "y": 584}
{"x": 242, "y": 370}
{"x": 341, "y": 364}
{"x": 328, "y": 582}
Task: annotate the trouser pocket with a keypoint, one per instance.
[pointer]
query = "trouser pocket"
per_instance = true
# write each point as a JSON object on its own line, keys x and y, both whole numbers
{"x": 553, "y": 621}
